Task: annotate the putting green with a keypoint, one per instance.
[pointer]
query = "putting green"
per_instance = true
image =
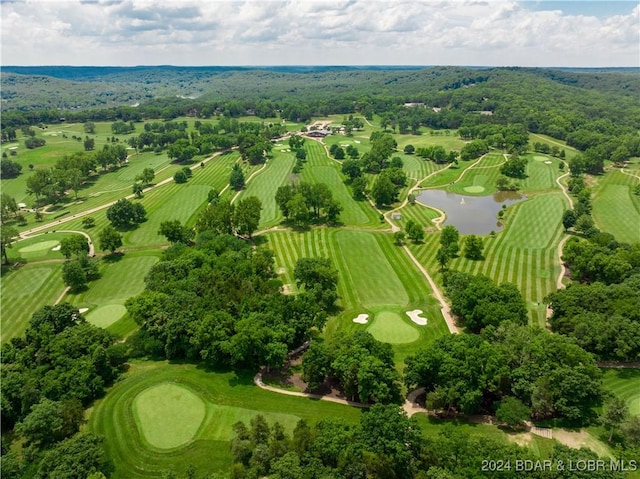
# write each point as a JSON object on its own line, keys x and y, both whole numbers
{"x": 43, "y": 245}
{"x": 106, "y": 315}
{"x": 474, "y": 189}
{"x": 391, "y": 328}
{"x": 168, "y": 415}
{"x": 634, "y": 406}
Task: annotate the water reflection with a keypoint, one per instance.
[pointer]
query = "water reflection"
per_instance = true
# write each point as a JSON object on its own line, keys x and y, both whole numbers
{"x": 470, "y": 214}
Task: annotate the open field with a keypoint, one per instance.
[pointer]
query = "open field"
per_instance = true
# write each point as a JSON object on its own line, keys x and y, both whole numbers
{"x": 122, "y": 417}
{"x": 616, "y": 209}
{"x": 119, "y": 281}
{"x": 375, "y": 277}
{"x": 320, "y": 169}
{"x": 264, "y": 186}
{"x": 26, "y": 290}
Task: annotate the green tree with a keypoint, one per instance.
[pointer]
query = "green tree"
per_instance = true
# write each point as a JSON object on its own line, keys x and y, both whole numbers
{"x": 443, "y": 257}
{"x": 174, "y": 231}
{"x": 137, "y": 189}
{"x": 50, "y": 422}
{"x": 449, "y": 240}
{"x": 615, "y": 412}
{"x": 284, "y": 194}
{"x": 8, "y": 207}
{"x": 9, "y": 169}
{"x": 351, "y": 169}
{"x": 298, "y": 211}
{"x": 110, "y": 239}
{"x": 75, "y": 244}
{"x": 409, "y": 150}
{"x": 414, "y": 231}
{"x": 473, "y": 247}
{"x": 89, "y": 144}
{"x": 180, "y": 177}
{"x": 583, "y": 223}
{"x": 7, "y": 236}
{"x": 147, "y": 176}
{"x": 76, "y": 457}
{"x": 512, "y": 412}
{"x": 359, "y": 188}
{"x": 383, "y": 191}
{"x": 123, "y": 213}
{"x": 568, "y": 219}
{"x": 236, "y": 180}
{"x": 88, "y": 222}
{"x": 89, "y": 127}
{"x": 246, "y": 216}
{"x": 398, "y": 237}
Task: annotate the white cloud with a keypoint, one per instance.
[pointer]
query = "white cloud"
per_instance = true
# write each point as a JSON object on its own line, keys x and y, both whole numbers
{"x": 200, "y": 32}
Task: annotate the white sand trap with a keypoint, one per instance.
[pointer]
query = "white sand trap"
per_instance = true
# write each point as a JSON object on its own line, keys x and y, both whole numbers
{"x": 287, "y": 289}
{"x": 56, "y": 248}
{"x": 282, "y": 270}
{"x": 83, "y": 310}
{"x": 361, "y": 319}
{"x": 356, "y": 141}
{"x": 416, "y": 318}
{"x": 344, "y": 144}
{"x": 548, "y": 162}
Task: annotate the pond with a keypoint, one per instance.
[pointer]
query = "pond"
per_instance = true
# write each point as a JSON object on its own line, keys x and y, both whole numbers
{"x": 470, "y": 214}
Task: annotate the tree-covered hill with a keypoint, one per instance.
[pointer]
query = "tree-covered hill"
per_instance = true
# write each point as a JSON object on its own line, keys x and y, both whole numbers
{"x": 64, "y": 88}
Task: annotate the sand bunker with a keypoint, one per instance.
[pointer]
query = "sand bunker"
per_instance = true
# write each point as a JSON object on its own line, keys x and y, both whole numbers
{"x": 287, "y": 289}
{"x": 83, "y": 310}
{"x": 282, "y": 270}
{"x": 56, "y": 248}
{"x": 356, "y": 141}
{"x": 548, "y": 162}
{"x": 361, "y": 319}
{"x": 416, "y": 318}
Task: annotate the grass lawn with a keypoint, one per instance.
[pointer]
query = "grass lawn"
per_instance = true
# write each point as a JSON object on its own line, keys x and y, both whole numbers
{"x": 119, "y": 281}
{"x": 320, "y": 169}
{"x": 616, "y": 209}
{"x": 375, "y": 277}
{"x": 38, "y": 248}
{"x": 624, "y": 383}
{"x": 264, "y": 186}
{"x": 139, "y": 446}
{"x": 24, "y": 291}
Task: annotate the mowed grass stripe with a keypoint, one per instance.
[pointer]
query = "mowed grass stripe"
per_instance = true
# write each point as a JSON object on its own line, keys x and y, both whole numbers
{"x": 616, "y": 209}
{"x": 264, "y": 186}
{"x": 624, "y": 383}
{"x": 373, "y": 279}
{"x": 118, "y": 282}
{"x": 224, "y": 393}
{"x": 25, "y": 291}
{"x": 321, "y": 169}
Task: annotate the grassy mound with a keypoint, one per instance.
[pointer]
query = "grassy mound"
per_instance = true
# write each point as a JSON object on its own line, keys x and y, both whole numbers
{"x": 168, "y": 415}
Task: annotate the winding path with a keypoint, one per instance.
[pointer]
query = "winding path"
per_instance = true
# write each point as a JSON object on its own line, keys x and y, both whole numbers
{"x": 257, "y": 380}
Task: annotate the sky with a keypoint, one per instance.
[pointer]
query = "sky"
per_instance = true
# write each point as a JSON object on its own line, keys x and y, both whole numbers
{"x": 320, "y": 32}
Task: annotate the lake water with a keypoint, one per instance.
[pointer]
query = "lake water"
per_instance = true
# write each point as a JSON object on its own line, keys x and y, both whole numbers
{"x": 470, "y": 214}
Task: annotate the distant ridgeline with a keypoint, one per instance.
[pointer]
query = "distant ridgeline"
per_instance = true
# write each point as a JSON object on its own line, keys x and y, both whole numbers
{"x": 82, "y": 87}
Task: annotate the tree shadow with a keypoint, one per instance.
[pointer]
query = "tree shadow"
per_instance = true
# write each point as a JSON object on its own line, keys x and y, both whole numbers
{"x": 113, "y": 257}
